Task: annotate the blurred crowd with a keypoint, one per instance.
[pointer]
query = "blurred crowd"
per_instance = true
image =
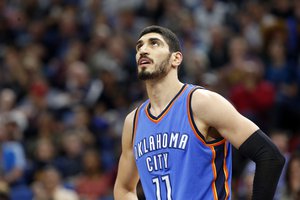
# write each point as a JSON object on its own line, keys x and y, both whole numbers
{"x": 68, "y": 79}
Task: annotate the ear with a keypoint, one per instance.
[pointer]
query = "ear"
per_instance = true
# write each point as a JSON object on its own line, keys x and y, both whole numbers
{"x": 176, "y": 58}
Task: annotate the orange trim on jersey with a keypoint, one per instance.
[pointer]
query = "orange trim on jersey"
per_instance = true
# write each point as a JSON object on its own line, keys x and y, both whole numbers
{"x": 164, "y": 111}
{"x": 226, "y": 172}
{"x": 213, "y": 166}
{"x": 194, "y": 128}
{"x": 135, "y": 124}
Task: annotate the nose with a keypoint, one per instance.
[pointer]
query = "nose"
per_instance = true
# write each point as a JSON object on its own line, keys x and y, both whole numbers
{"x": 142, "y": 52}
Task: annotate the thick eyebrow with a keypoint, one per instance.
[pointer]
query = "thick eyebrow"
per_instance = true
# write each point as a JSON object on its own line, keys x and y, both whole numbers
{"x": 155, "y": 39}
{"x": 150, "y": 39}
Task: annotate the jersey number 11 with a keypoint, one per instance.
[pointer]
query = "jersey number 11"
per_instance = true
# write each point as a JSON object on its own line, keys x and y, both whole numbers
{"x": 166, "y": 181}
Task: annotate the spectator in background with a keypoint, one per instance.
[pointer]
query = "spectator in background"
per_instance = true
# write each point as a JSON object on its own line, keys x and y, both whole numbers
{"x": 7, "y": 100}
{"x": 294, "y": 31}
{"x": 9, "y": 112}
{"x": 35, "y": 102}
{"x": 13, "y": 162}
{"x": 281, "y": 8}
{"x": 245, "y": 186}
{"x": 47, "y": 127}
{"x": 150, "y": 10}
{"x": 218, "y": 50}
{"x": 79, "y": 120}
{"x": 231, "y": 73}
{"x": 282, "y": 74}
{"x": 80, "y": 86}
{"x": 13, "y": 74}
{"x": 51, "y": 187}
{"x": 4, "y": 191}
{"x": 253, "y": 96}
{"x": 45, "y": 154}
{"x": 278, "y": 68}
{"x": 281, "y": 140}
{"x": 70, "y": 160}
{"x": 112, "y": 57}
{"x": 195, "y": 63}
{"x": 210, "y": 13}
{"x": 93, "y": 183}
{"x": 173, "y": 11}
{"x": 292, "y": 191}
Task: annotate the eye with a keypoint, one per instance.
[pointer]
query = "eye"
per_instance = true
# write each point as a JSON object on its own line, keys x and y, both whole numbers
{"x": 154, "y": 43}
{"x": 138, "y": 47}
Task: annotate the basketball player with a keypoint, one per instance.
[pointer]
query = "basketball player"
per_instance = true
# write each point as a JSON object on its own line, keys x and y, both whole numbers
{"x": 178, "y": 142}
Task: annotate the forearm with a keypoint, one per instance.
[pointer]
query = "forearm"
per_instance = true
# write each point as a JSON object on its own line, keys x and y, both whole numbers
{"x": 126, "y": 182}
{"x": 123, "y": 194}
{"x": 269, "y": 163}
{"x": 266, "y": 177}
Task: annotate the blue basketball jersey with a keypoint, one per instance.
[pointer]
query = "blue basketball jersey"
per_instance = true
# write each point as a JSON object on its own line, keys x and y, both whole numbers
{"x": 173, "y": 159}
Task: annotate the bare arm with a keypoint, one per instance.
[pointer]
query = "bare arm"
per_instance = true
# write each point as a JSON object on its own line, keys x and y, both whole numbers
{"x": 212, "y": 110}
{"x": 127, "y": 177}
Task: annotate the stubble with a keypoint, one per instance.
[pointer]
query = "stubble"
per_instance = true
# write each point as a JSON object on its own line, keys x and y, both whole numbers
{"x": 160, "y": 71}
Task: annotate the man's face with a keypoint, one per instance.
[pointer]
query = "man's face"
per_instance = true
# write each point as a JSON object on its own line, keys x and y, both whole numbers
{"x": 152, "y": 57}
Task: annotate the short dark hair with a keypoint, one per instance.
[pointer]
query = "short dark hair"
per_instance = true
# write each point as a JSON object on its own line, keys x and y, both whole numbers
{"x": 170, "y": 37}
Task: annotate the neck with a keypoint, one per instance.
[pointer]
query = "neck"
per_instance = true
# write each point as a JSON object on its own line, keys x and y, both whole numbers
{"x": 161, "y": 92}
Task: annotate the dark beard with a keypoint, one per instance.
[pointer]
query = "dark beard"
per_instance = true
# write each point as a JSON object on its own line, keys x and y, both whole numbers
{"x": 160, "y": 72}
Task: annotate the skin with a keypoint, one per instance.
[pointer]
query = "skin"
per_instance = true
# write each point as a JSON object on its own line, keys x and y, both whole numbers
{"x": 209, "y": 109}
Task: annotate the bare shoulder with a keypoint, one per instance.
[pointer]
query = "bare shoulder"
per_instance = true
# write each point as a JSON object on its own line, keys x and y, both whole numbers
{"x": 215, "y": 111}
{"x": 205, "y": 99}
{"x": 128, "y": 129}
{"x": 130, "y": 117}
{"x": 204, "y": 94}
{"x": 209, "y": 106}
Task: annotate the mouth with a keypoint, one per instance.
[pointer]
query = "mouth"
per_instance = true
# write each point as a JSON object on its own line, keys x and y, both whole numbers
{"x": 144, "y": 61}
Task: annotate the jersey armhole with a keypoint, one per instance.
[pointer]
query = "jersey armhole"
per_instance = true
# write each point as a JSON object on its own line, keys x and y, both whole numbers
{"x": 134, "y": 124}
{"x": 214, "y": 142}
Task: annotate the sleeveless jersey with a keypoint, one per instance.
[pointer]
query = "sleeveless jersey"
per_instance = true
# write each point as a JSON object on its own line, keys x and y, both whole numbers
{"x": 173, "y": 159}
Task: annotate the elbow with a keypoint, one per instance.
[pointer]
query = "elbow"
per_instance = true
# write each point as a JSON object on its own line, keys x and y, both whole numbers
{"x": 121, "y": 193}
{"x": 116, "y": 192}
{"x": 116, "y": 195}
